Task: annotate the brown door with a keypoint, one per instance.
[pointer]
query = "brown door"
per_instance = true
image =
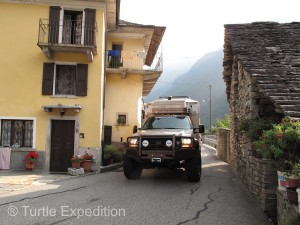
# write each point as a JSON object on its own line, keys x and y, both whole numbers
{"x": 107, "y": 135}
{"x": 62, "y": 145}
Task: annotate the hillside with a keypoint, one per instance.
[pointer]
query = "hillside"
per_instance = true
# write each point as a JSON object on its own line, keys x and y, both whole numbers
{"x": 195, "y": 83}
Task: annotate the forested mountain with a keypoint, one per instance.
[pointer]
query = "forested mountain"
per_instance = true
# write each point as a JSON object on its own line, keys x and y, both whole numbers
{"x": 195, "y": 82}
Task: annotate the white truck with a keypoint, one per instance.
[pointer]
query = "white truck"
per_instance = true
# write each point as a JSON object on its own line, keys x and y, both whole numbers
{"x": 168, "y": 138}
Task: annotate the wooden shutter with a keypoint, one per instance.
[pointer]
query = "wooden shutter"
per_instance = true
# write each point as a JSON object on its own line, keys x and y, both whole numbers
{"x": 90, "y": 26}
{"x": 48, "y": 76}
{"x": 54, "y": 15}
{"x": 81, "y": 79}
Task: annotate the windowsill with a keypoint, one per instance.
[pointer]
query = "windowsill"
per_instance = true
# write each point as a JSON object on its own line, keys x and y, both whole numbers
{"x": 122, "y": 125}
{"x": 23, "y": 149}
{"x": 63, "y": 96}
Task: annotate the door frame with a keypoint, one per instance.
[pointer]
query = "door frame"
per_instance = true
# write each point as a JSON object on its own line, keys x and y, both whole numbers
{"x": 48, "y": 135}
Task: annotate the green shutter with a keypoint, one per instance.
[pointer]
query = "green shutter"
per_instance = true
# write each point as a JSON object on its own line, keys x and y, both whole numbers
{"x": 81, "y": 79}
{"x": 48, "y": 76}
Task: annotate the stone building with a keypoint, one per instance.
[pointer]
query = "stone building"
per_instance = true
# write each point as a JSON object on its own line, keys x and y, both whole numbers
{"x": 262, "y": 75}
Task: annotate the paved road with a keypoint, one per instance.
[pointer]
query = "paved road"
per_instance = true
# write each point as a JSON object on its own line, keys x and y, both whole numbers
{"x": 159, "y": 197}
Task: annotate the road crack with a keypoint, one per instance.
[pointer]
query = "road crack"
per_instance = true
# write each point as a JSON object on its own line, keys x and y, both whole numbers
{"x": 205, "y": 205}
{"x": 53, "y": 193}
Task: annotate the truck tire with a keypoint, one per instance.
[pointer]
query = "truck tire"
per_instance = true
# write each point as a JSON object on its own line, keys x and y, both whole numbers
{"x": 131, "y": 169}
{"x": 193, "y": 170}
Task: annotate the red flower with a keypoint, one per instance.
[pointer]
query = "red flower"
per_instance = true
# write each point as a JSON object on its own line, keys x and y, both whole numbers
{"x": 31, "y": 156}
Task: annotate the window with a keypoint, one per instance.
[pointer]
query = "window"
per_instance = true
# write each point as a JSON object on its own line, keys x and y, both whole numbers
{"x": 72, "y": 27}
{"x": 16, "y": 132}
{"x": 65, "y": 79}
{"x": 121, "y": 119}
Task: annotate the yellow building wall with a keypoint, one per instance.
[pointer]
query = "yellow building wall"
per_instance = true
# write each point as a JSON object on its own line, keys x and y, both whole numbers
{"x": 21, "y": 72}
{"x": 128, "y": 44}
{"x": 122, "y": 96}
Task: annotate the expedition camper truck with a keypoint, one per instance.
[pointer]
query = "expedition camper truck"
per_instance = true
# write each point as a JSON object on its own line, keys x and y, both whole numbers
{"x": 169, "y": 137}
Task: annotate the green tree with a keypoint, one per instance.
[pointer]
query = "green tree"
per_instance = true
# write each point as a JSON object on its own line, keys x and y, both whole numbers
{"x": 221, "y": 123}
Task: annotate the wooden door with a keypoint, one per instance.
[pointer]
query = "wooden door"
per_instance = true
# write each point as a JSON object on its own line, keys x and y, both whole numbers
{"x": 62, "y": 145}
{"x": 107, "y": 135}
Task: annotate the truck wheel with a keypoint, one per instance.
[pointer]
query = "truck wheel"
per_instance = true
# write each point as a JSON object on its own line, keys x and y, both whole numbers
{"x": 193, "y": 170}
{"x": 131, "y": 169}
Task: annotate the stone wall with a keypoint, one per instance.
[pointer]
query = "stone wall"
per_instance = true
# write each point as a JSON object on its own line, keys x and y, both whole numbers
{"x": 223, "y": 145}
{"x": 286, "y": 210}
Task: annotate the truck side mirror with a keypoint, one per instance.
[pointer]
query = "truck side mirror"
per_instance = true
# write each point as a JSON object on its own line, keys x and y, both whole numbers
{"x": 135, "y": 129}
{"x": 201, "y": 129}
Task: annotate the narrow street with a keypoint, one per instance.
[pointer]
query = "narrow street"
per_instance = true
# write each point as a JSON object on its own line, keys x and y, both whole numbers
{"x": 159, "y": 197}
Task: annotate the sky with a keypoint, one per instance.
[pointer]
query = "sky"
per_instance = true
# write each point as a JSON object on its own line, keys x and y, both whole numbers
{"x": 196, "y": 27}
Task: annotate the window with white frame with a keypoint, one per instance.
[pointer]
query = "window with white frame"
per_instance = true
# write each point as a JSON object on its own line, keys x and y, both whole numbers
{"x": 15, "y": 132}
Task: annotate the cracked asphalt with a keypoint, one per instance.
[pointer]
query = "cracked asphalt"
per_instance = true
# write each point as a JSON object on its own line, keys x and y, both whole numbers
{"x": 160, "y": 197}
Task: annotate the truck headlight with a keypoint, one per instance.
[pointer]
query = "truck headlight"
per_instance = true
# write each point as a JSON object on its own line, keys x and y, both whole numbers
{"x": 187, "y": 143}
{"x": 133, "y": 142}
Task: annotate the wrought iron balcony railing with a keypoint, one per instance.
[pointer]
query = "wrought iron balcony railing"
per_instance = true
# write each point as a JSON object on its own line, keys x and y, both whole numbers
{"x": 133, "y": 60}
{"x": 67, "y": 35}
{"x": 68, "y": 32}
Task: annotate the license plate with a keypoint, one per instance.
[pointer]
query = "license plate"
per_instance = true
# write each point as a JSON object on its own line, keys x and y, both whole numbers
{"x": 156, "y": 160}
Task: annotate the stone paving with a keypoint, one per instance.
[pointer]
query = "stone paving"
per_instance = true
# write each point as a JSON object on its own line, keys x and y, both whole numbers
{"x": 14, "y": 180}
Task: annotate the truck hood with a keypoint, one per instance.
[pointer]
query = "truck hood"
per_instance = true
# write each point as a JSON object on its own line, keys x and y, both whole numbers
{"x": 177, "y": 132}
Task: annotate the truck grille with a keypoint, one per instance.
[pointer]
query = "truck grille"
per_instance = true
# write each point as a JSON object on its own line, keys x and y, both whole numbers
{"x": 157, "y": 143}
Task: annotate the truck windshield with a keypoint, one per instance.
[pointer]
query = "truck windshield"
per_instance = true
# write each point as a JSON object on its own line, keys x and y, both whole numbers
{"x": 174, "y": 122}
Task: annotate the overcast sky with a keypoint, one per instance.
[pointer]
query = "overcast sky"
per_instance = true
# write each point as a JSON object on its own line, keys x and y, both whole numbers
{"x": 195, "y": 27}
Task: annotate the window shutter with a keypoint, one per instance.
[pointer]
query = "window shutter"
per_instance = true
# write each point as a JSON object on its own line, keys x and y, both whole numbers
{"x": 54, "y": 15}
{"x": 90, "y": 26}
{"x": 81, "y": 79}
{"x": 48, "y": 75}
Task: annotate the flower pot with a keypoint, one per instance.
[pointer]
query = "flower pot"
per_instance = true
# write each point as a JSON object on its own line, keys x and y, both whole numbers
{"x": 292, "y": 182}
{"x": 86, "y": 166}
{"x": 281, "y": 181}
{"x": 30, "y": 165}
{"x": 292, "y": 195}
{"x": 298, "y": 192}
{"x": 76, "y": 165}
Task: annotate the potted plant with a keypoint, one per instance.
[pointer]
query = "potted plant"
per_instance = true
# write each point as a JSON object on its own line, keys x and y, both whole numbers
{"x": 87, "y": 159}
{"x": 76, "y": 160}
{"x": 280, "y": 143}
{"x": 120, "y": 121}
{"x": 30, "y": 160}
{"x": 111, "y": 155}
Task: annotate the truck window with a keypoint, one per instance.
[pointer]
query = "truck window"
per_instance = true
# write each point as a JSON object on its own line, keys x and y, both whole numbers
{"x": 178, "y": 122}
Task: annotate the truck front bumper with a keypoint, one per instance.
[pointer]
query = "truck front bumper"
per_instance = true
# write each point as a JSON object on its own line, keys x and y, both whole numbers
{"x": 177, "y": 155}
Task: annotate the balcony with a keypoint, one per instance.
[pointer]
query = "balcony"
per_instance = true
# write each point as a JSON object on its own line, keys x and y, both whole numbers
{"x": 68, "y": 36}
{"x": 124, "y": 62}
{"x": 131, "y": 61}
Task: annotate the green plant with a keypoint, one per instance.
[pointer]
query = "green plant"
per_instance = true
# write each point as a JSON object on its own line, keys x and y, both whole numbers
{"x": 221, "y": 123}
{"x": 281, "y": 142}
{"x": 292, "y": 221}
{"x": 111, "y": 152}
{"x": 120, "y": 120}
{"x": 296, "y": 169}
{"x": 253, "y": 128}
{"x": 76, "y": 158}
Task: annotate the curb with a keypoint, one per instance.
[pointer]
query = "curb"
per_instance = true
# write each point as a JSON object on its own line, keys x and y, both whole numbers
{"x": 112, "y": 167}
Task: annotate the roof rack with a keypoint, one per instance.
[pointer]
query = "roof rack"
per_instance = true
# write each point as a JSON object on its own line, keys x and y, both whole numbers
{"x": 173, "y": 97}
